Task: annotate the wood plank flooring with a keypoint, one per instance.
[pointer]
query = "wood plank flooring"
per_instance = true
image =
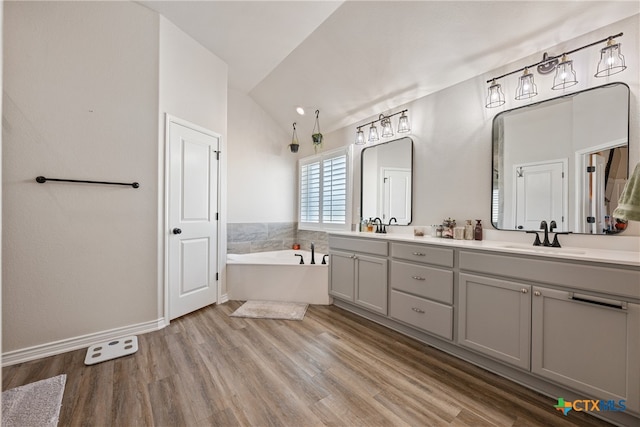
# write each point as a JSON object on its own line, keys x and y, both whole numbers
{"x": 333, "y": 369}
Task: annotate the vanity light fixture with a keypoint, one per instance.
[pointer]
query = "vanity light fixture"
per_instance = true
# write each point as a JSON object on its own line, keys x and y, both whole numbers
{"x": 360, "y": 137}
{"x": 496, "y": 96}
{"x": 387, "y": 129}
{"x": 373, "y": 133}
{"x": 611, "y": 62}
{"x": 403, "y": 124}
{"x": 565, "y": 76}
{"x": 526, "y": 88}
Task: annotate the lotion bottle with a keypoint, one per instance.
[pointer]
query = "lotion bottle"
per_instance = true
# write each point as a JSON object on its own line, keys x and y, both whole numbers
{"x": 477, "y": 233}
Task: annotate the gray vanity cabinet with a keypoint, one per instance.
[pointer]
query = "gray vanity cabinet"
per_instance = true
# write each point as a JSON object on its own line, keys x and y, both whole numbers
{"x": 494, "y": 318}
{"x": 342, "y": 273}
{"x": 358, "y": 272}
{"x": 421, "y": 292}
{"x": 589, "y": 344}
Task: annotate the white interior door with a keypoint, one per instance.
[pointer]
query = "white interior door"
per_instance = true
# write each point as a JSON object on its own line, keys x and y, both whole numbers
{"x": 396, "y": 195}
{"x": 192, "y": 219}
{"x": 540, "y": 195}
{"x": 594, "y": 222}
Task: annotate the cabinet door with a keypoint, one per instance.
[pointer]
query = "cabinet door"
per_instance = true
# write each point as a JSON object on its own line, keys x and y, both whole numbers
{"x": 494, "y": 318}
{"x": 371, "y": 283}
{"x": 342, "y": 275}
{"x": 588, "y": 344}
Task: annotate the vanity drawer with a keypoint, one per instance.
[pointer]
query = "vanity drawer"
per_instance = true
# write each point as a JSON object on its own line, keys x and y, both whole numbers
{"x": 613, "y": 281}
{"x": 420, "y": 280}
{"x": 427, "y": 315}
{"x": 422, "y": 253}
{"x": 368, "y": 246}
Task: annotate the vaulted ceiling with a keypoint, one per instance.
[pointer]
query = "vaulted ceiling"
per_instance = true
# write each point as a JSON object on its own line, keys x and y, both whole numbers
{"x": 355, "y": 59}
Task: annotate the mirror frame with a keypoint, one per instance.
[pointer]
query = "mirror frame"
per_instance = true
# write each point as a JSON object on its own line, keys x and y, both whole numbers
{"x": 362, "y": 174}
{"x": 494, "y": 147}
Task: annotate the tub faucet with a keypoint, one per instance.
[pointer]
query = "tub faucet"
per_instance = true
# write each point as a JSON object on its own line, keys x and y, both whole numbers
{"x": 324, "y": 258}
{"x": 313, "y": 253}
{"x": 301, "y": 258}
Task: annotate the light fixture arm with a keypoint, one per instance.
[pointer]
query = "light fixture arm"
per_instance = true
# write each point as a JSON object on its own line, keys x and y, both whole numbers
{"x": 551, "y": 58}
{"x": 380, "y": 118}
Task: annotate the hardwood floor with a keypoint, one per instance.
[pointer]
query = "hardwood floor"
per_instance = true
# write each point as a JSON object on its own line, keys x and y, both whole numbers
{"x": 333, "y": 368}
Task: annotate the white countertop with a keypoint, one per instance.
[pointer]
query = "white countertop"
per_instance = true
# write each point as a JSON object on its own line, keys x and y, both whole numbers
{"x": 609, "y": 256}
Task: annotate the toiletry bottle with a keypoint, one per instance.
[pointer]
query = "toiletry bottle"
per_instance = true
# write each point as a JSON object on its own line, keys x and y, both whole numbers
{"x": 370, "y": 225}
{"x": 468, "y": 230}
{"x": 477, "y": 234}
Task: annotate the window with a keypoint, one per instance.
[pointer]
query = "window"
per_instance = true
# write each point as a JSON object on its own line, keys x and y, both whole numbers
{"x": 324, "y": 191}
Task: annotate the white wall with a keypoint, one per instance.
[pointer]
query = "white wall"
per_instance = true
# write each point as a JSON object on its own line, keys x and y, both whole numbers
{"x": 451, "y": 130}
{"x": 262, "y": 174}
{"x": 80, "y": 101}
{"x": 193, "y": 87}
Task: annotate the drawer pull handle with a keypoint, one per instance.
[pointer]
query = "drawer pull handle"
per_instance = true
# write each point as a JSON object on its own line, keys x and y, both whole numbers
{"x": 354, "y": 256}
{"x": 537, "y": 293}
{"x": 418, "y": 254}
{"x": 598, "y": 301}
{"x": 418, "y": 277}
{"x": 417, "y": 310}
{"x": 524, "y": 290}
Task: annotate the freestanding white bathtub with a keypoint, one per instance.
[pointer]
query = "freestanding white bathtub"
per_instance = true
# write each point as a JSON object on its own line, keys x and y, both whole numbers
{"x": 278, "y": 276}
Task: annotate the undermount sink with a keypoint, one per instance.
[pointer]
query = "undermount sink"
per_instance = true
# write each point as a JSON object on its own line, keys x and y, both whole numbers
{"x": 544, "y": 249}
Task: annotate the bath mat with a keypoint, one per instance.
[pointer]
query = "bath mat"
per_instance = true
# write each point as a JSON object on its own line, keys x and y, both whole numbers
{"x": 271, "y": 310}
{"x": 35, "y": 404}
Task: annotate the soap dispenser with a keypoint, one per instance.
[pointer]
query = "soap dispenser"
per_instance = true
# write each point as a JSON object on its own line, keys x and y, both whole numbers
{"x": 477, "y": 233}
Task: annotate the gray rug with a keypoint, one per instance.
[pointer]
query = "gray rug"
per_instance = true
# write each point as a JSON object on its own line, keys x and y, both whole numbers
{"x": 271, "y": 310}
{"x": 35, "y": 404}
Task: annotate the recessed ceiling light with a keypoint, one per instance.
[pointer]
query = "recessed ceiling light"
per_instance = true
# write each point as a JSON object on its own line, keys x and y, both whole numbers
{"x": 300, "y": 111}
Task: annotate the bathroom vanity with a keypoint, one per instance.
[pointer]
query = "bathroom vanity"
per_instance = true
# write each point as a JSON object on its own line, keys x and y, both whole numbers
{"x": 563, "y": 322}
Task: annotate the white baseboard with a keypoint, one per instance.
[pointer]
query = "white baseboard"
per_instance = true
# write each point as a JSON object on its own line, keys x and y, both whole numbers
{"x": 223, "y": 298}
{"x": 57, "y": 347}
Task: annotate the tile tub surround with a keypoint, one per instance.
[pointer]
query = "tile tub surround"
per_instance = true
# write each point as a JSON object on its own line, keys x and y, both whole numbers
{"x": 254, "y": 237}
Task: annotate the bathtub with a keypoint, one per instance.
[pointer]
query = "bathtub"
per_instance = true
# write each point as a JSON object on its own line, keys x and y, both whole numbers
{"x": 278, "y": 276}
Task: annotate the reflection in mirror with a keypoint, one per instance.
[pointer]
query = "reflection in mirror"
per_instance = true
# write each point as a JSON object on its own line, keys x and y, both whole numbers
{"x": 387, "y": 180}
{"x": 564, "y": 160}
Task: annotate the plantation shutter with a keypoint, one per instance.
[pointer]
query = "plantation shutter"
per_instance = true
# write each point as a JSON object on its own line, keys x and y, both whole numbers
{"x": 334, "y": 190}
{"x": 310, "y": 193}
{"x": 323, "y": 201}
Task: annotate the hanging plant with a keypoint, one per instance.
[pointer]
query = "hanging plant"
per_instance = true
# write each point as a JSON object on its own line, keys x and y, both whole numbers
{"x": 294, "y": 141}
{"x": 316, "y": 136}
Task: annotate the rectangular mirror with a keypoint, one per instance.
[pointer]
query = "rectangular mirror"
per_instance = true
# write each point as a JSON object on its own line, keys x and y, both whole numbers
{"x": 387, "y": 181}
{"x": 564, "y": 160}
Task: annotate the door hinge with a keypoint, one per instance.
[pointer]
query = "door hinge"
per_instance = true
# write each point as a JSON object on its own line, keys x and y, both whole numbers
{"x": 591, "y": 169}
{"x": 217, "y": 154}
{"x": 216, "y": 277}
{"x": 217, "y": 216}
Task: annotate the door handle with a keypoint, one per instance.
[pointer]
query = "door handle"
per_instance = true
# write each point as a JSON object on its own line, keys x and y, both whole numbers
{"x": 176, "y": 231}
